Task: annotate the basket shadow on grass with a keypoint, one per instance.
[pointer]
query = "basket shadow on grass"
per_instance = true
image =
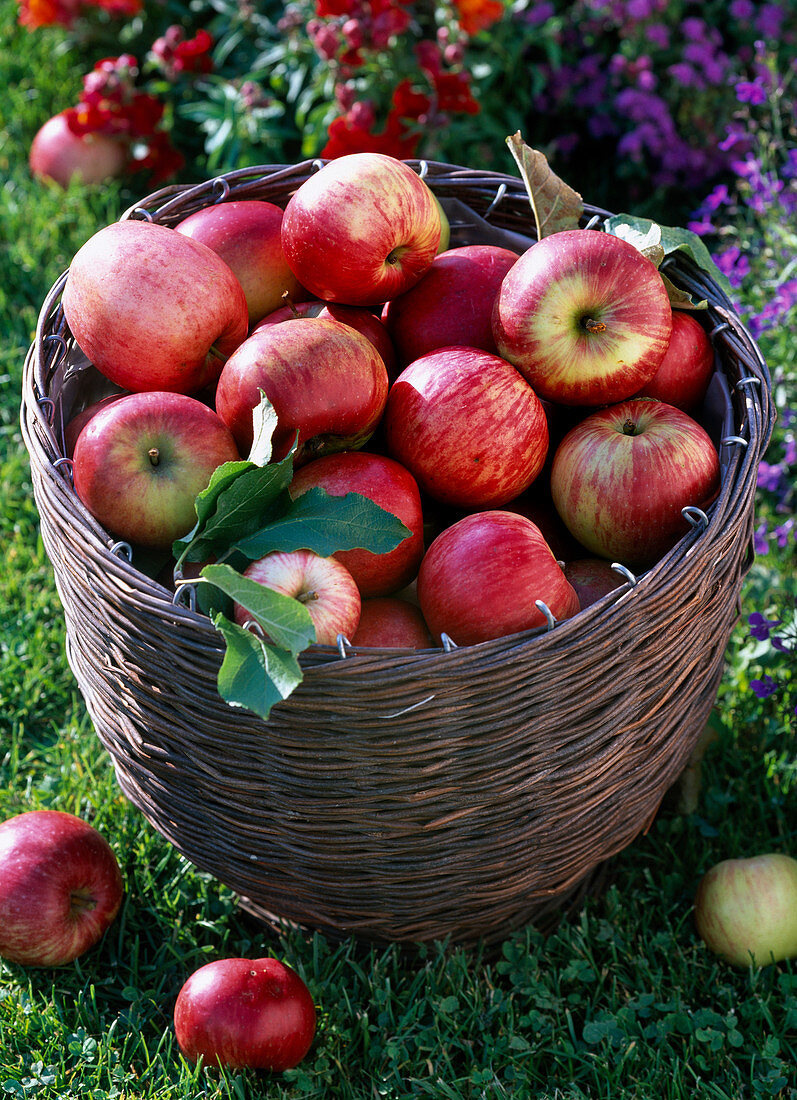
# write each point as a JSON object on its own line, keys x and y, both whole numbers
{"x": 436, "y": 796}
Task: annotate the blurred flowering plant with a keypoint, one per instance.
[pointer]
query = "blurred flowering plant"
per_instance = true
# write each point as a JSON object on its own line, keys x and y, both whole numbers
{"x": 66, "y": 13}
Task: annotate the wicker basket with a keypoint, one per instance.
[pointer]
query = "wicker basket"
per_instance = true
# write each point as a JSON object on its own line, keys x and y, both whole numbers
{"x": 404, "y": 796}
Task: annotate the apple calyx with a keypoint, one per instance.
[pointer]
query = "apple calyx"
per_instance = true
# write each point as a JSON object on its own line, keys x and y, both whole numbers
{"x": 154, "y": 456}
{"x": 81, "y": 901}
{"x": 307, "y": 596}
{"x": 591, "y": 326}
{"x": 629, "y": 427}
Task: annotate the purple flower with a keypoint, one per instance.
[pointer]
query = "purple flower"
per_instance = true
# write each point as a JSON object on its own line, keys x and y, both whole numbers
{"x": 764, "y": 687}
{"x": 783, "y": 532}
{"x": 751, "y": 91}
{"x": 702, "y": 228}
{"x": 761, "y": 540}
{"x": 761, "y": 626}
{"x": 769, "y": 476}
{"x": 539, "y": 14}
{"x": 658, "y": 35}
{"x": 769, "y": 20}
{"x": 742, "y": 9}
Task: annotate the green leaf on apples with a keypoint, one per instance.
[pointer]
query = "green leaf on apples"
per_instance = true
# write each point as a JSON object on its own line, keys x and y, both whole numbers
{"x": 254, "y": 674}
{"x": 284, "y": 619}
{"x": 325, "y": 524}
{"x": 555, "y": 204}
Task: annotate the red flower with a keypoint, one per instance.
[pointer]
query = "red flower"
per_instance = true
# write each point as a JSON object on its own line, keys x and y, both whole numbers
{"x": 409, "y": 103}
{"x": 326, "y": 9}
{"x": 346, "y": 136}
{"x": 477, "y": 15}
{"x": 47, "y": 13}
{"x": 193, "y": 55}
{"x": 454, "y": 94}
{"x": 160, "y": 159}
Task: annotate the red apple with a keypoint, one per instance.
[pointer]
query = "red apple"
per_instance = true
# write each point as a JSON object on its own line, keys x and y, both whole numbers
{"x": 361, "y": 230}
{"x": 245, "y": 1013}
{"x": 388, "y": 622}
{"x": 584, "y": 316}
{"x": 537, "y": 505}
{"x": 392, "y": 487}
{"x": 746, "y": 909}
{"x": 78, "y": 422}
{"x": 686, "y": 369}
{"x": 246, "y": 234}
{"x": 468, "y": 426}
{"x": 357, "y": 317}
{"x": 141, "y": 460}
{"x": 620, "y": 478}
{"x": 323, "y": 585}
{"x": 481, "y": 577}
{"x": 592, "y": 578}
{"x": 60, "y": 887}
{"x": 152, "y": 309}
{"x": 452, "y": 303}
{"x": 324, "y": 379}
{"x": 58, "y": 154}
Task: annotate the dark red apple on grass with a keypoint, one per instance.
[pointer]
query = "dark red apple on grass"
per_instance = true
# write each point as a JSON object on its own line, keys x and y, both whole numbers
{"x": 152, "y": 309}
{"x": 389, "y": 622}
{"x": 60, "y": 155}
{"x": 246, "y": 234}
{"x": 324, "y": 379}
{"x": 245, "y": 1014}
{"x": 481, "y": 577}
{"x": 683, "y": 376}
{"x": 452, "y": 303}
{"x": 468, "y": 426}
{"x": 140, "y": 462}
{"x": 60, "y": 887}
{"x": 361, "y": 230}
{"x": 392, "y": 487}
{"x": 325, "y": 587}
{"x": 620, "y": 478}
{"x": 584, "y": 316}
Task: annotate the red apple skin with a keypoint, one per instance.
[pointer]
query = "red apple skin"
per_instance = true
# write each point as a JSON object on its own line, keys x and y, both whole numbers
{"x": 687, "y": 367}
{"x": 391, "y": 486}
{"x": 324, "y": 379}
{"x": 584, "y": 316}
{"x": 323, "y": 585}
{"x": 481, "y": 577}
{"x": 246, "y": 234}
{"x": 58, "y": 154}
{"x": 452, "y": 303}
{"x": 78, "y": 422}
{"x": 388, "y": 622}
{"x": 153, "y": 309}
{"x": 620, "y": 478}
{"x": 592, "y": 578}
{"x": 245, "y": 1014}
{"x": 468, "y": 426}
{"x": 747, "y": 907}
{"x": 357, "y": 317}
{"x": 361, "y": 230}
{"x": 140, "y": 462}
{"x": 60, "y": 887}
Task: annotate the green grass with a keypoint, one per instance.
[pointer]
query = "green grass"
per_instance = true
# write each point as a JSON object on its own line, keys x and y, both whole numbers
{"x": 621, "y": 1001}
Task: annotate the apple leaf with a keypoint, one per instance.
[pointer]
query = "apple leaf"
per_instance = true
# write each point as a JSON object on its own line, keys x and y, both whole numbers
{"x": 325, "y": 524}
{"x": 555, "y": 204}
{"x": 284, "y": 619}
{"x": 254, "y": 674}
{"x": 264, "y": 422}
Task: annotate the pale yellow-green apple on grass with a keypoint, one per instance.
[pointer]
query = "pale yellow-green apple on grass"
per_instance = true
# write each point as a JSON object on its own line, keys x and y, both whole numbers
{"x": 60, "y": 887}
{"x": 620, "y": 478}
{"x": 481, "y": 577}
{"x": 584, "y": 316}
{"x": 746, "y": 909}
{"x": 391, "y": 486}
{"x": 153, "y": 309}
{"x": 325, "y": 587}
{"x": 246, "y": 234}
{"x": 58, "y": 154}
{"x": 141, "y": 460}
{"x": 324, "y": 379}
{"x": 361, "y": 230}
{"x": 468, "y": 426}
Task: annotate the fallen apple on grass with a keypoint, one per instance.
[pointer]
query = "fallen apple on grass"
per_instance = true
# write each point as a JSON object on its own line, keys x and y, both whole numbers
{"x": 60, "y": 887}
{"x": 245, "y": 1014}
{"x": 59, "y": 154}
{"x": 746, "y": 909}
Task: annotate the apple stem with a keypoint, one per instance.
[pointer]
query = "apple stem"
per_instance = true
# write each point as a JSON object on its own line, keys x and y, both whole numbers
{"x": 593, "y": 326}
{"x": 286, "y": 297}
{"x": 154, "y": 455}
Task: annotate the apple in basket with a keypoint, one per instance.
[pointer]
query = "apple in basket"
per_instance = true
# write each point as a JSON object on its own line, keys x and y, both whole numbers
{"x": 325, "y": 587}
{"x": 452, "y": 303}
{"x": 391, "y": 622}
{"x": 141, "y": 460}
{"x": 246, "y": 234}
{"x": 687, "y": 367}
{"x": 361, "y": 230}
{"x": 325, "y": 380}
{"x": 58, "y": 154}
{"x": 584, "y": 316}
{"x": 60, "y": 887}
{"x": 392, "y": 487}
{"x": 620, "y": 478}
{"x": 468, "y": 426}
{"x": 245, "y": 1014}
{"x": 153, "y": 309}
{"x": 482, "y": 577}
{"x": 592, "y": 578}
